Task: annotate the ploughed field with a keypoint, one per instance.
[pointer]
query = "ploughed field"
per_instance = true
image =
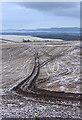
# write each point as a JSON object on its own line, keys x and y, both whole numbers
{"x": 58, "y": 64}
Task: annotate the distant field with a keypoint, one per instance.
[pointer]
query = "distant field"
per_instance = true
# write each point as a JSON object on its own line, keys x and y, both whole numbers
{"x": 18, "y": 38}
{"x": 70, "y": 33}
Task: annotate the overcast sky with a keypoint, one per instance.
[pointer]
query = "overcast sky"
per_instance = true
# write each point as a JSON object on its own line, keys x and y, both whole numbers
{"x": 32, "y": 15}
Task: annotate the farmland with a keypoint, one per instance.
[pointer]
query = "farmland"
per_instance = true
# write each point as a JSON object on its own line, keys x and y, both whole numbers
{"x": 59, "y": 71}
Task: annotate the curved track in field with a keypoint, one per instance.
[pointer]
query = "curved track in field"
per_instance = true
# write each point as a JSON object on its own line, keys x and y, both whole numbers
{"x": 31, "y": 81}
{"x": 27, "y": 87}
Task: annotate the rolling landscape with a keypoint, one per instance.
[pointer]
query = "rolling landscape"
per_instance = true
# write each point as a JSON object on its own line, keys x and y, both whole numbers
{"x": 64, "y": 33}
{"x": 40, "y": 51}
{"x": 40, "y": 79}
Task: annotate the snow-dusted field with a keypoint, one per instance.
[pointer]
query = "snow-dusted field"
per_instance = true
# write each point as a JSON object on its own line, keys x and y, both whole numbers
{"x": 18, "y": 38}
{"x": 59, "y": 71}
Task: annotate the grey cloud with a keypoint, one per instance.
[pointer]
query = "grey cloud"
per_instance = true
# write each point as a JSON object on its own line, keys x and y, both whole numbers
{"x": 70, "y": 9}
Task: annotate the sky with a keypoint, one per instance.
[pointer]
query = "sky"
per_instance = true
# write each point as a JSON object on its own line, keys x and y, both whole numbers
{"x": 33, "y": 15}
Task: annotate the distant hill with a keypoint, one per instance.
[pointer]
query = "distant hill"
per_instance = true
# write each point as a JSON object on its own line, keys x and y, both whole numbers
{"x": 60, "y": 29}
{"x": 46, "y": 29}
{"x": 64, "y": 33}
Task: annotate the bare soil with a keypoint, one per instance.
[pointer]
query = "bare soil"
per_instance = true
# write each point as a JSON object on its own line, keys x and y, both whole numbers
{"x": 59, "y": 71}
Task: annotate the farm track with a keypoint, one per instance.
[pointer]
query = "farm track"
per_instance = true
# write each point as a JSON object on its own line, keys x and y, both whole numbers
{"x": 28, "y": 86}
{"x": 32, "y": 82}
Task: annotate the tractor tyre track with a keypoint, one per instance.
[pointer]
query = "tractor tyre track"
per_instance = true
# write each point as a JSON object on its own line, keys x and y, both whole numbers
{"x": 28, "y": 87}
